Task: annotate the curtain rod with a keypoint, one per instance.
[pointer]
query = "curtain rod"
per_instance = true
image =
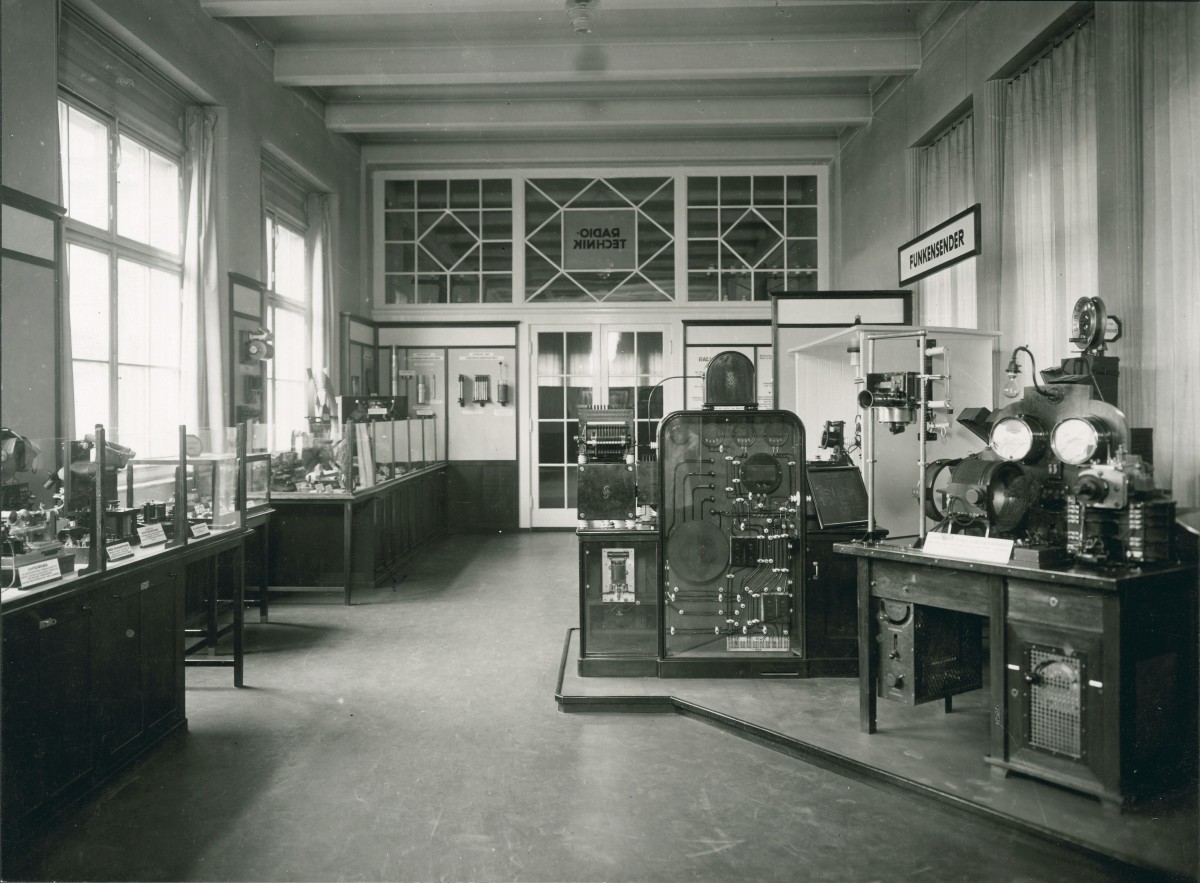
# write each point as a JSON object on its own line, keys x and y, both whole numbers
{"x": 1063, "y": 37}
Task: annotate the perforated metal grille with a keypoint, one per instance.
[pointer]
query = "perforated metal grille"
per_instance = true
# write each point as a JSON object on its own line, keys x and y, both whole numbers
{"x": 1055, "y": 709}
{"x": 949, "y": 658}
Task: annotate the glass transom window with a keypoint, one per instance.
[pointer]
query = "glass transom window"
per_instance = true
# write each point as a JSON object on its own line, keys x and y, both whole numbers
{"x": 593, "y": 239}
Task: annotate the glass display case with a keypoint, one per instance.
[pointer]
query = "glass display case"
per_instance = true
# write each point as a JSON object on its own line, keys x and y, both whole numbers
{"x": 211, "y": 477}
{"x": 258, "y": 482}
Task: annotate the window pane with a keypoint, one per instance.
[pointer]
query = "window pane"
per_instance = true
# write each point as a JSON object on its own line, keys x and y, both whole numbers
{"x": 164, "y": 203}
{"x": 133, "y": 408}
{"x": 269, "y": 250}
{"x": 289, "y": 264}
{"x": 85, "y": 179}
{"x": 288, "y": 378}
{"x": 550, "y": 487}
{"x": 133, "y": 190}
{"x": 89, "y": 292}
{"x": 91, "y": 395}
{"x": 165, "y": 317}
{"x": 133, "y": 313}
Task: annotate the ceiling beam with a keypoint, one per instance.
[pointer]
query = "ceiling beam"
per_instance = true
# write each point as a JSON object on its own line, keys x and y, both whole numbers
{"x": 317, "y": 66}
{"x": 571, "y": 118}
{"x": 544, "y": 153}
{"x": 281, "y": 8}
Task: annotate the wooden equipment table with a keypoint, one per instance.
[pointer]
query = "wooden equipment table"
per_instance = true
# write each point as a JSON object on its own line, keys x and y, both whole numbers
{"x": 1092, "y": 671}
{"x": 345, "y": 540}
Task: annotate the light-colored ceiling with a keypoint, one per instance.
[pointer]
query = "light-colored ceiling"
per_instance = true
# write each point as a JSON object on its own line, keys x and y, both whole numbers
{"x": 447, "y": 70}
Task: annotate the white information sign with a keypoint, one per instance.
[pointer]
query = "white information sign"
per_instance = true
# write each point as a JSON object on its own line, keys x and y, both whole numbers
{"x": 39, "y": 572}
{"x": 955, "y": 240}
{"x": 199, "y": 530}
{"x": 152, "y": 534}
{"x": 986, "y": 550}
{"x": 117, "y": 551}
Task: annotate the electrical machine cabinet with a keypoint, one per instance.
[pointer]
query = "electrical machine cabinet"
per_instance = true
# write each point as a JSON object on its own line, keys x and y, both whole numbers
{"x": 732, "y": 523}
{"x": 618, "y": 602}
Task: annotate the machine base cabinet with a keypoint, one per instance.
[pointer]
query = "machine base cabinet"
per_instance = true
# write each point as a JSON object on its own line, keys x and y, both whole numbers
{"x": 1099, "y": 688}
{"x": 618, "y": 599}
{"x": 1093, "y": 672}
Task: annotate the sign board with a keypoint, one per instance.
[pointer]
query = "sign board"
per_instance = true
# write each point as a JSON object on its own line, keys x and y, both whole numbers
{"x": 986, "y": 550}
{"x": 35, "y": 574}
{"x": 599, "y": 239}
{"x": 945, "y": 245}
{"x": 117, "y": 551}
{"x": 151, "y": 534}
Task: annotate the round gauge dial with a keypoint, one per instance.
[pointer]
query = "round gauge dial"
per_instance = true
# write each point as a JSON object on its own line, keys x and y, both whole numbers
{"x": 713, "y": 434}
{"x": 1018, "y": 439}
{"x": 1077, "y": 440}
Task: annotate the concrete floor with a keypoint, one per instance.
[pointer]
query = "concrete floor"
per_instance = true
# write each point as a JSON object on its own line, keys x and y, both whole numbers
{"x": 415, "y": 736}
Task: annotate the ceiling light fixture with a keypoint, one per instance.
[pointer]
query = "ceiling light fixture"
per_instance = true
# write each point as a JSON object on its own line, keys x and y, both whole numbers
{"x": 582, "y": 14}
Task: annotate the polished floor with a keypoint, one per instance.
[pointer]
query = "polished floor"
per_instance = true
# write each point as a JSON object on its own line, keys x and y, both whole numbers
{"x": 415, "y": 736}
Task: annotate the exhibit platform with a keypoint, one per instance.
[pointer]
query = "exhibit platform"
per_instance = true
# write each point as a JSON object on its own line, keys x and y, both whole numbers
{"x": 921, "y": 750}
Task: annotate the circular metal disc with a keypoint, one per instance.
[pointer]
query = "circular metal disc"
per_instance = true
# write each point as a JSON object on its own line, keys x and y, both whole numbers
{"x": 698, "y": 551}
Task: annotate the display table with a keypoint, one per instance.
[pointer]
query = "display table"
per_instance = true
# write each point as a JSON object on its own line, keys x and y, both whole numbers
{"x": 1092, "y": 671}
{"x": 357, "y": 539}
{"x": 94, "y": 672}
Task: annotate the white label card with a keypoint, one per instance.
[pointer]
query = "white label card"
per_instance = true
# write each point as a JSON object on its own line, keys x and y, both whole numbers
{"x": 987, "y": 550}
{"x": 199, "y": 530}
{"x": 40, "y": 572}
{"x": 152, "y": 534}
{"x": 117, "y": 551}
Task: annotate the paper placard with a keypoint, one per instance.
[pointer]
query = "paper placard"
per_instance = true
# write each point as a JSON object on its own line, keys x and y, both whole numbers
{"x": 199, "y": 530}
{"x": 987, "y": 550}
{"x": 117, "y": 551}
{"x": 152, "y": 534}
{"x": 39, "y": 572}
{"x": 505, "y": 412}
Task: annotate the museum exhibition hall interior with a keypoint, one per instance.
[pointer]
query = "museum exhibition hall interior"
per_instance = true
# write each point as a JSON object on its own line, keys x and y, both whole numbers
{"x": 588, "y": 440}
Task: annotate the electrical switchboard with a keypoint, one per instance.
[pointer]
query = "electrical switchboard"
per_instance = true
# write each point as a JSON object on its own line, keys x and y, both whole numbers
{"x": 732, "y": 524}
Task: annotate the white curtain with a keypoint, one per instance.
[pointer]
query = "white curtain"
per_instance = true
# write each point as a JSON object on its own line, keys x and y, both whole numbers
{"x": 318, "y": 247}
{"x": 945, "y": 187}
{"x": 1049, "y": 215}
{"x": 1171, "y": 243}
{"x": 202, "y": 384}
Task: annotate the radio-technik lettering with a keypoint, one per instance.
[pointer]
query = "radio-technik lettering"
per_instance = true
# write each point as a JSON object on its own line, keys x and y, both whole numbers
{"x": 591, "y": 238}
{"x": 936, "y": 249}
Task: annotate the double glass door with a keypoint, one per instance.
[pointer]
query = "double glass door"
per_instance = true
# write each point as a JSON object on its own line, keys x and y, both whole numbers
{"x": 575, "y": 368}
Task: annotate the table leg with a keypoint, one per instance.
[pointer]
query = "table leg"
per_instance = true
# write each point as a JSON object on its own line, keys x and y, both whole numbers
{"x": 868, "y": 656}
{"x": 210, "y": 607}
{"x": 347, "y": 548}
{"x": 239, "y": 611}
{"x": 998, "y": 676}
{"x": 264, "y": 594}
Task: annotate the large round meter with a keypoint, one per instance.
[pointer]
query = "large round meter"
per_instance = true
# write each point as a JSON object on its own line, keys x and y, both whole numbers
{"x": 1019, "y": 439}
{"x": 1077, "y": 440}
